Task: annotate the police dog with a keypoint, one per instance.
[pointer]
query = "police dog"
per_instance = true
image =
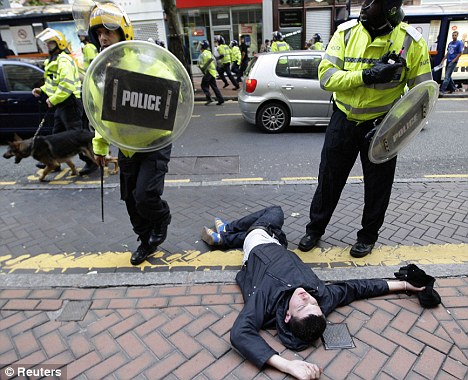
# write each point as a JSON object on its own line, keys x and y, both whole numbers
{"x": 52, "y": 150}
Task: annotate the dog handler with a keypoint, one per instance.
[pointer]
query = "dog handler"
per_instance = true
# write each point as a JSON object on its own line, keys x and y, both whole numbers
{"x": 141, "y": 173}
{"x": 63, "y": 88}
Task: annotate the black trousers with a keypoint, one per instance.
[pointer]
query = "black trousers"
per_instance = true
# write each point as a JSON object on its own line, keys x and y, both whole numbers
{"x": 271, "y": 217}
{"x": 344, "y": 140}
{"x": 141, "y": 187}
{"x": 225, "y": 68}
{"x": 68, "y": 116}
{"x": 235, "y": 69}
{"x": 207, "y": 82}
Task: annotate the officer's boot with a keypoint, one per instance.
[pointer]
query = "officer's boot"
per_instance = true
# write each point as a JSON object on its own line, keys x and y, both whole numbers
{"x": 158, "y": 234}
{"x": 142, "y": 252}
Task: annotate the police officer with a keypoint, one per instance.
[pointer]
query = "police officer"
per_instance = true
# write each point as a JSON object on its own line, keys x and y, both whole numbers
{"x": 365, "y": 84}
{"x": 141, "y": 174}
{"x": 62, "y": 88}
{"x": 208, "y": 68}
{"x": 278, "y": 43}
{"x": 236, "y": 58}
{"x": 317, "y": 43}
{"x": 225, "y": 62}
{"x": 89, "y": 50}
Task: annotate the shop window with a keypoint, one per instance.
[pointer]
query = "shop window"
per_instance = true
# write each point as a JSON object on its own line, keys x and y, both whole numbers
{"x": 220, "y": 17}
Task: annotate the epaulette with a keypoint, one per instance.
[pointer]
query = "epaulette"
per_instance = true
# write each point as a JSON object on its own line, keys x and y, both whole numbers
{"x": 415, "y": 35}
{"x": 348, "y": 24}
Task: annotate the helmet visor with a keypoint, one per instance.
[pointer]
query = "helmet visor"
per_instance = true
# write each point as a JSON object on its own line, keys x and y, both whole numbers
{"x": 48, "y": 35}
{"x": 81, "y": 10}
{"x": 111, "y": 15}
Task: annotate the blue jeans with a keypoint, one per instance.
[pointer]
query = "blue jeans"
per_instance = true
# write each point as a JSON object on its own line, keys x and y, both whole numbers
{"x": 236, "y": 231}
{"x": 448, "y": 82}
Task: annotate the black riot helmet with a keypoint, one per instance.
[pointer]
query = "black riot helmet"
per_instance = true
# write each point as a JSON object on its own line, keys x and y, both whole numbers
{"x": 220, "y": 40}
{"x": 379, "y": 17}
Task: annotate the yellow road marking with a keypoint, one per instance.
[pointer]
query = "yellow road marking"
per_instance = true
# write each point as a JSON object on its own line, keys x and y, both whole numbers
{"x": 196, "y": 115}
{"x": 241, "y": 179}
{"x": 8, "y": 183}
{"x": 446, "y": 176}
{"x": 177, "y": 180}
{"x": 336, "y": 257}
{"x": 62, "y": 173}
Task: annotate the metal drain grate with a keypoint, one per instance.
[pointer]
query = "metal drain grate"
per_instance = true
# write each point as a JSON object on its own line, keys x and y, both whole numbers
{"x": 336, "y": 336}
{"x": 74, "y": 311}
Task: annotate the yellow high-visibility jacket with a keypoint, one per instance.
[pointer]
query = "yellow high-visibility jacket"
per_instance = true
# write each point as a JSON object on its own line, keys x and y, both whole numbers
{"x": 226, "y": 51}
{"x": 236, "y": 55}
{"x": 351, "y": 50}
{"x": 279, "y": 46}
{"x": 203, "y": 59}
{"x": 61, "y": 78}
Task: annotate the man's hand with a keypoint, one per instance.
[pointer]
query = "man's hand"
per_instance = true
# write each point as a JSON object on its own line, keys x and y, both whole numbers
{"x": 100, "y": 160}
{"x": 303, "y": 370}
{"x": 299, "y": 369}
{"x": 49, "y": 104}
{"x": 380, "y": 73}
{"x": 36, "y": 92}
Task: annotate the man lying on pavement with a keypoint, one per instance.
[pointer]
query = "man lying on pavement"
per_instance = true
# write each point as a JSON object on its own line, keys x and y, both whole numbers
{"x": 280, "y": 291}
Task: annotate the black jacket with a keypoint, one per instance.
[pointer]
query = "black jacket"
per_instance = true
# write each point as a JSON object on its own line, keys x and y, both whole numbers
{"x": 267, "y": 281}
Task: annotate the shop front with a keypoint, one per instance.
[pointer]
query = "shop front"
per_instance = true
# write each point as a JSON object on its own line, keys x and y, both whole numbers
{"x": 236, "y": 19}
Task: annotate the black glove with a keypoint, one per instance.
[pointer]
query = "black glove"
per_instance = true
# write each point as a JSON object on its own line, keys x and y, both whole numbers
{"x": 380, "y": 73}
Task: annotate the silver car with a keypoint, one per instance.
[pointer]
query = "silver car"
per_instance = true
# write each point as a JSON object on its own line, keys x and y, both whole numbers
{"x": 282, "y": 88}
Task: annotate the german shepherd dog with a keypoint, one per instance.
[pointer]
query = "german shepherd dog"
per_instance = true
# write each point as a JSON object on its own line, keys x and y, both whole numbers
{"x": 52, "y": 150}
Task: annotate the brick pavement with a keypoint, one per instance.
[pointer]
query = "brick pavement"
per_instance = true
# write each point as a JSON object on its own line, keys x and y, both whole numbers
{"x": 181, "y": 331}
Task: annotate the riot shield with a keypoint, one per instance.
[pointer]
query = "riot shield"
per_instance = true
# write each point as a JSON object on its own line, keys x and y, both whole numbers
{"x": 403, "y": 122}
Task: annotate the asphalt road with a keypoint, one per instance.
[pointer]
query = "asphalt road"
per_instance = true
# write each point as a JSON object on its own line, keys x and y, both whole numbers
{"x": 234, "y": 149}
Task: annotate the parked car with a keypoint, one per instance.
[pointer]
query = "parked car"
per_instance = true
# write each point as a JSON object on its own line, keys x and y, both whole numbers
{"x": 282, "y": 88}
{"x": 20, "y": 111}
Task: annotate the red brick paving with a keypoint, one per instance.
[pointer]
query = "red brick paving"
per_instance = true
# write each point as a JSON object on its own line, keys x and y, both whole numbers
{"x": 182, "y": 332}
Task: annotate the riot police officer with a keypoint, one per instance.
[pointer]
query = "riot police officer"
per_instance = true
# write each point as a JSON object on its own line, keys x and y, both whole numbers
{"x": 225, "y": 62}
{"x": 278, "y": 43}
{"x": 141, "y": 173}
{"x": 208, "y": 68}
{"x": 365, "y": 84}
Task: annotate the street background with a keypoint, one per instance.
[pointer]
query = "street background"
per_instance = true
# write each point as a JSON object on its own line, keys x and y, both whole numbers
{"x": 70, "y": 298}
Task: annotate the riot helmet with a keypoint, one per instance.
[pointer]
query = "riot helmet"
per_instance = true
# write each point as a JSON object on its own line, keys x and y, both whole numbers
{"x": 220, "y": 40}
{"x": 204, "y": 45}
{"x": 317, "y": 37}
{"x": 379, "y": 17}
{"x": 234, "y": 43}
{"x": 112, "y": 17}
{"x": 277, "y": 36}
{"x": 49, "y": 34}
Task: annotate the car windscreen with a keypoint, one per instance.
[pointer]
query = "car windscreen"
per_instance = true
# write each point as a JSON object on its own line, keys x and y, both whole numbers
{"x": 22, "y": 78}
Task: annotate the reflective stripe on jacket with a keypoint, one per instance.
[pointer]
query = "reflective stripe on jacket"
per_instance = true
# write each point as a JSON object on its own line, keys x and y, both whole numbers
{"x": 61, "y": 78}
{"x": 351, "y": 50}
{"x": 279, "y": 46}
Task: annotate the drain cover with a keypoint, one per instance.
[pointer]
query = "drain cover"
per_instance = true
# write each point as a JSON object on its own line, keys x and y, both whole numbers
{"x": 337, "y": 335}
{"x": 74, "y": 311}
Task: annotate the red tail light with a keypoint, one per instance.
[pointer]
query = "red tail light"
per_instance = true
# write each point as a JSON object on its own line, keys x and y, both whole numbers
{"x": 250, "y": 85}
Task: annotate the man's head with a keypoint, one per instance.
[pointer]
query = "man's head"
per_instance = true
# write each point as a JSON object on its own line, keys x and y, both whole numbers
{"x": 304, "y": 316}
{"x": 379, "y": 17}
{"x": 317, "y": 37}
{"x": 109, "y": 24}
{"x": 220, "y": 40}
{"x": 53, "y": 39}
{"x": 455, "y": 35}
{"x": 203, "y": 45}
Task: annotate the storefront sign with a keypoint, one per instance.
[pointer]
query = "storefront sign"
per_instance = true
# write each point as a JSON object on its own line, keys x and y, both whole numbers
{"x": 289, "y": 18}
{"x": 212, "y": 3}
{"x": 25, "y": 41}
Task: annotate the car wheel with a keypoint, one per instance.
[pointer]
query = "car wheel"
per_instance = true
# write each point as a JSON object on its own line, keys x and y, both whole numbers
{"x": 273, "y": 118}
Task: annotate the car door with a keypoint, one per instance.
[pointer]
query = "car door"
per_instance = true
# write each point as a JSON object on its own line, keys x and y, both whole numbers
{"x": 20, "y": 110}
{"x": 299, "y": 83}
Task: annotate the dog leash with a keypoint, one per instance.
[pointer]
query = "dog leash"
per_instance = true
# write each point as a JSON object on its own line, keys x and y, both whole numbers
{"x": 41, "y": 124}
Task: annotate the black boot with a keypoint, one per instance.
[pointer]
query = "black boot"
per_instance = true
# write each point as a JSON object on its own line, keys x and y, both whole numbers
{"x": 141, "y": 253}
{"x": 158, "y": 235}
